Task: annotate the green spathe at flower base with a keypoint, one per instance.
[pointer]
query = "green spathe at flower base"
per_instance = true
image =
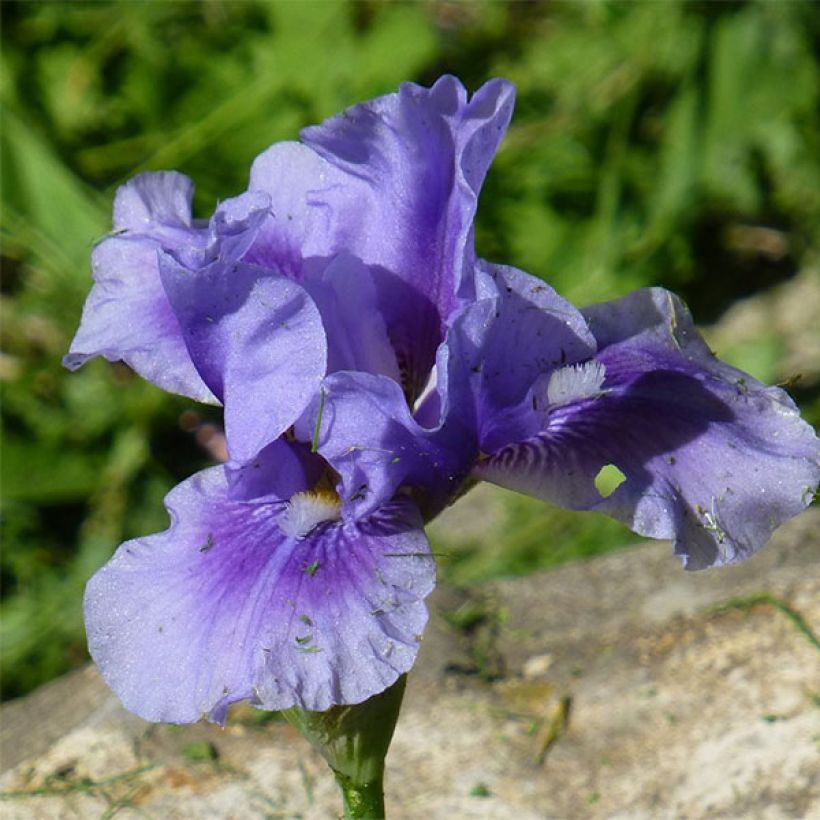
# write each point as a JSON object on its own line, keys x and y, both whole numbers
{"x": 354, "y": 741}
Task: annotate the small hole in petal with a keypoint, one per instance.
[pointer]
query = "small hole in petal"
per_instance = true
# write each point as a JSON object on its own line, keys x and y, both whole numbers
{"x": 608, "y": 480}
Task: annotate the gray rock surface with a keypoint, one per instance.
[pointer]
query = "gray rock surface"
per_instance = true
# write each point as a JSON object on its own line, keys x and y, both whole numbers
{"x": 621, "y": 687}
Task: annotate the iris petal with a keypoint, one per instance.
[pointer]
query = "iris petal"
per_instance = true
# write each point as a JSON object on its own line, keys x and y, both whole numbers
{"x": 497, "y": 346}
{"x": 348, "y": 301}
{"x": 535, "y": 330}
{"x": 128, "y": 315}
{"x": 370, "y": 438}
{"x": 394, "y": 182}
{"x": 223, "y": 606}
{"x": 416, "y": 161}
{"x": 494, "y": 349}
{"x": 158, "y": 200}
{"x": 712, "y": 458}
{"x": 258, "y": 342}
{"x": 150, "y": 210}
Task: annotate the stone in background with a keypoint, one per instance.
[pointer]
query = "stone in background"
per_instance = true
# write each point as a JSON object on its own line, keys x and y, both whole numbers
{"x": 617, "y": 687}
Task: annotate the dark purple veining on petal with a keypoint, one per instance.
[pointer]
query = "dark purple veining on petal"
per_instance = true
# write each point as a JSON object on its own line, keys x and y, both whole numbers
{"x": 226, "y": 606}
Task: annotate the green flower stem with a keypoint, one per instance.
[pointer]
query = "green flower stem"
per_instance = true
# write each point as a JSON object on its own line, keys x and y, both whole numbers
{"x": 362, "y": 801}
{"x": 354, "y": 741}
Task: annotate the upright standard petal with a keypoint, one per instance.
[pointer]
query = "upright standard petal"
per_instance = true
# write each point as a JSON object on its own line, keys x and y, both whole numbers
{"x": 395, "y": 182}
{"x": 127, "y": 315}
{"x": 418, "y": 159}
{"x": 709, "y": 456}
{"x": 259, "y": 599}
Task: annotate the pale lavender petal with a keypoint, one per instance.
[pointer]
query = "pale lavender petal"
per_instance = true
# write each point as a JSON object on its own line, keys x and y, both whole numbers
{"x": 256, "y": 339}
{"x": 160, "y": 198}
{"x": 302, "y": 224}
{"x": 127, "y": 316}
{"x": 224, "y": 606}
{"x": 157, "y": 205}
{"x": 232, "y": 230}
{"x": 711, "y": 457}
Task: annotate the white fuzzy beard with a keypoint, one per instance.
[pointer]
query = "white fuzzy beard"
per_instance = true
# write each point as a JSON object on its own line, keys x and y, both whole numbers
{"x": 575, "y": 382}
{"x": 307, "y": 510}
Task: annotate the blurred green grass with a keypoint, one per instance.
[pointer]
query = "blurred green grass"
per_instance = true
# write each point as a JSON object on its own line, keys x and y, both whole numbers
{"x": 649, "y": 140}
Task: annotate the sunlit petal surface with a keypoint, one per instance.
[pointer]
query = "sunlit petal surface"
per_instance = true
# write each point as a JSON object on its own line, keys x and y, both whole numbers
{"x": 233, "y": 603}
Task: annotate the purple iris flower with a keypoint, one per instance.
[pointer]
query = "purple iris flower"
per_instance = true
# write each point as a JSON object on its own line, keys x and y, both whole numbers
{"x": 370, "y": 367}
{"x": 349, "y": 252}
